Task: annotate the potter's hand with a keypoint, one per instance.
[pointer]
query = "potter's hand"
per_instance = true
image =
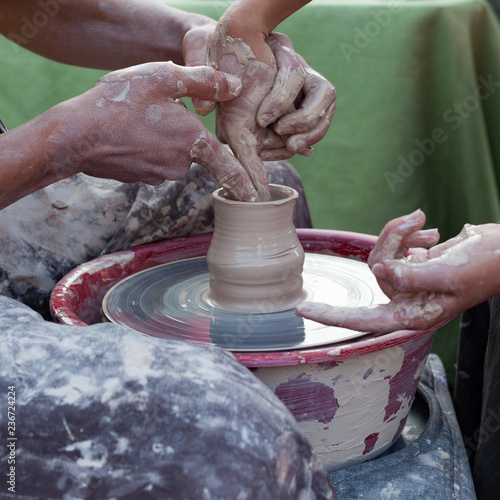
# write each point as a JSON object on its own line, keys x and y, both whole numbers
{"x": 427, "y": 286}
{"x": 236, "y": 124}
{"x": 140, "y": 131}
{"x": 285, "y": 106}
{"x": 299, "y": 108}
{"x": 195, "y": 46}
{"x": 251, "y": 60}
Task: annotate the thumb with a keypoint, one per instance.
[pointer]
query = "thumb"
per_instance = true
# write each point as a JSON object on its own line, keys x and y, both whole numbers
{"x": 375, "y": 319}
{"x": 195, "y": 50}
{"x": 204, "y": 83}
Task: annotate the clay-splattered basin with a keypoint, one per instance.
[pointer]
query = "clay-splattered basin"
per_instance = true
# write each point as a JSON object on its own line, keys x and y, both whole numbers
{"x": 350, "y": 399}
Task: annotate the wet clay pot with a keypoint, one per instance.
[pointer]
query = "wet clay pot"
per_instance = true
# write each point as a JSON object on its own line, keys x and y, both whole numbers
{"x": 255, "y": 259}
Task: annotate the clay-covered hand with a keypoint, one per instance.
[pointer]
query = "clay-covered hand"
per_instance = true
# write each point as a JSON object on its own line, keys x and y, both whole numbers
{"x": 284, "y": 108}
{"x": 253, "y": 62}
{"x": 195, "y": 47}
{"x": 425, "y": 287}
{"x": 300, "y": 107}
{"x": 135, "y": 128}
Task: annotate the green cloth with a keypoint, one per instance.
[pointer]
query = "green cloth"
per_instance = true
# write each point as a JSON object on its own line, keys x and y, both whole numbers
{"x": 403, "y": 78}
{"x": 417, "y": 111}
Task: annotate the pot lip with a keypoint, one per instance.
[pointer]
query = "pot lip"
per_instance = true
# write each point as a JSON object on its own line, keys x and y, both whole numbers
{"x": 289, "y": 193}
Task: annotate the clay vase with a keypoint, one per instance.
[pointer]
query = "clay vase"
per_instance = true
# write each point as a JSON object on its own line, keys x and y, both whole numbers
{"x": 255, "y": 259}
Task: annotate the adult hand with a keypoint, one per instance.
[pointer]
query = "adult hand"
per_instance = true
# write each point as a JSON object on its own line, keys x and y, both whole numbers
{"x": 296, "y": 112}
{"x": 425, "y": 287}
{"x": 134, "y": 127}
{"x": 300, "y": 106}
{"x": 236, "y": 121}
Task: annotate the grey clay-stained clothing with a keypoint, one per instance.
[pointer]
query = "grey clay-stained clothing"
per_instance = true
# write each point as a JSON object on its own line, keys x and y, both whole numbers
{"x": 103, "y": 412}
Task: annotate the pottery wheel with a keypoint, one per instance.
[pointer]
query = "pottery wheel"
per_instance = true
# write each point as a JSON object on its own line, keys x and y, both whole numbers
{"x": 170, "y": 301}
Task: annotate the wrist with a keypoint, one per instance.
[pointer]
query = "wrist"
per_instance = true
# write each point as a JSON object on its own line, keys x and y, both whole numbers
{"x": 74, "y": 137}
{"x": 246, "y": 32}
{"x": 246, "y": 20}
{"x": 29, "y": 158}
{"x": 262, "y": 16}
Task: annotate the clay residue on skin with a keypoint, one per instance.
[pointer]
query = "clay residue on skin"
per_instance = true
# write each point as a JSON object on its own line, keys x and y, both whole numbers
{"x": 389, "y": 250}
{"x": 121, "y": 93}
{"x": 154, "y": 113}
{"x": 181, "y": 88}
{"x": 236, "y": 119}
{"x": 393, "y": 243}
{"x": 424, "y": 307}
{"x": 199, "y": 146}
{"x": 229, "y": 45}
{"x": 114, "y": 92}
{"x": 239, "y": 48}
{"x": 132, "y": 73}
{"x": 457, "y": 255}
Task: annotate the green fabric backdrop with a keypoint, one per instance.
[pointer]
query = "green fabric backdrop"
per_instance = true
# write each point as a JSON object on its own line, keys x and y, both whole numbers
{"x": 417, "y": 112}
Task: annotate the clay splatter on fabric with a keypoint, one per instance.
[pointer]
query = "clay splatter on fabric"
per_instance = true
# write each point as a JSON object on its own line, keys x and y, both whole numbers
{"x": 103, "y": 412}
